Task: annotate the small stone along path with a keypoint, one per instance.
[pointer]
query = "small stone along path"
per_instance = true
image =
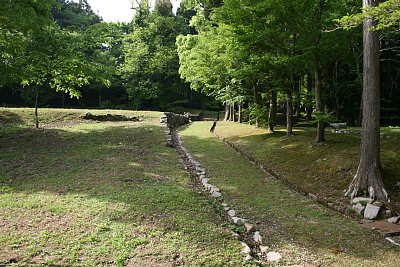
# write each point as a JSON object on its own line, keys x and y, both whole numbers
{"x": 251, "y": 239}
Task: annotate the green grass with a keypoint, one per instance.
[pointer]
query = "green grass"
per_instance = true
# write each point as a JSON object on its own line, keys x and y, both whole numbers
{"x": 323, "y": 170}
{"x": 79, "y": 193}
{"x": 301, "y": 230}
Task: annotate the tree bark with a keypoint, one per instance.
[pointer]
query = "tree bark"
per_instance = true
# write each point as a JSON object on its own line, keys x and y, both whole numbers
{"x": 227, "y": 112}
{"x": 318, "y": 104}
{"x": 368, "y": 177}
{"x": 309, "y": 106}
{"x": 240, "y": 114}
{"x": 272, "y": 111}
{"x": 257, "y": 99}
{"x": 233, "y": 115}
{"x": 289, "y": 114}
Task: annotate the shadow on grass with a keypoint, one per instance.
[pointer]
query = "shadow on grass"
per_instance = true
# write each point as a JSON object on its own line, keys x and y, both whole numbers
{"x": 128, "y": 170}
{"x": 271, "y": 203}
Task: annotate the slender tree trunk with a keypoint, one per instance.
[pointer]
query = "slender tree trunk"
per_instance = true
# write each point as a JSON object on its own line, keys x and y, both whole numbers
{"x": 309, "y": 104}
{"x": 272, "y": 111}
{"x": 289, "y": 114}
{"x": 368, "y": 176}
{"x": 318, "y": 104}
{"x": 297, "y": 111}
{"x": 227, "y": 112}
{"x": 240, "y": 113}
{"x": 257, "y": 99}
{"x": 36, "y": 109}
{"x": 233, "y": 117}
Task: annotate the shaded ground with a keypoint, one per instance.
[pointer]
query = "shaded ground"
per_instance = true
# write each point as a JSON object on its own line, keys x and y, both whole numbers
{"x": 323, "y": 170}
{"x": 303, "y": 231}
{"x": 101, "y": 194}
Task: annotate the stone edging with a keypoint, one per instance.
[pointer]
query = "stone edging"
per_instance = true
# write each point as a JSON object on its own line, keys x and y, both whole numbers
{"x": 251, "y": 239}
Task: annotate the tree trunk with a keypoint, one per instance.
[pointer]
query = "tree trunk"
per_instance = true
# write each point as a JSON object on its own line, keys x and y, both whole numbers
{"x": 233, "y": 112}
{"x": 257, "y": 100}
{"x": 272, "y": 111}
{"x": 368, "y": 177}
{"x": 289, "y": 114}
{"x": 297, "y": 106}
{"x": 309, "y": 105}
{"x": 36, "y": 109}
{"x": 240, "y": 114}
{"x": 227, "y": 112}
{"x": 318, "y": 104}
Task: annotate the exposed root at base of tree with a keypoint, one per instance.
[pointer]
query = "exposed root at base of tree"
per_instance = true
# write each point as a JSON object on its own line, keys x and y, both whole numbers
{"x": 368, "y": 179}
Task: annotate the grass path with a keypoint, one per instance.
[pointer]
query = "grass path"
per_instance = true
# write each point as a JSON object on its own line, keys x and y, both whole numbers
{"x": 102, "y": 194}
{"x": 301, "y": 230}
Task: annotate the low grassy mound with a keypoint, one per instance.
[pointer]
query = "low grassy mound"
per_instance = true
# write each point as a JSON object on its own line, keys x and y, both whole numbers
{"x": 79, "y": 193}
{"x": 303, "y": 231}
{"x": 322, "y": 170}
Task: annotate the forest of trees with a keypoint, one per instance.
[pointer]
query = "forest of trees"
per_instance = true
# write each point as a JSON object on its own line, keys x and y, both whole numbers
{"x": 265, "y": 61}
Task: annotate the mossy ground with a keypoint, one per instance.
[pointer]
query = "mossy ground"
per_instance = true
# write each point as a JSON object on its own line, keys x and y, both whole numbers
{"x": 302, "y": 230}
{"x": 101, "y": 194}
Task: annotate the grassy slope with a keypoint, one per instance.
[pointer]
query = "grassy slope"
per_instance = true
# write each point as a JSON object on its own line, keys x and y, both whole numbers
{"x": 303, "y": 231}
{"x": 325, "y": 170}
{"x": 101, "y": 194}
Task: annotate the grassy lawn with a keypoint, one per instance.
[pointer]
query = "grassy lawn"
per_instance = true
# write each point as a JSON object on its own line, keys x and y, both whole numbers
{"x": 291, "y": 224}
{"x": 326, "y": 170}
{"x": 101, "y": 194}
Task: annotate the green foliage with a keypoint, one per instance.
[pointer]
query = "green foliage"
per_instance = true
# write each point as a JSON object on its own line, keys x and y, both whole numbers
{"x": 150, "y": 66}
{"x": 387, "y": 14}
{"x": 323, "y": 117}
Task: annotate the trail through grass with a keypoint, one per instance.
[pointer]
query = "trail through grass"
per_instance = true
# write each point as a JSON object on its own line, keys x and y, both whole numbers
{"x": 290, "y": 223}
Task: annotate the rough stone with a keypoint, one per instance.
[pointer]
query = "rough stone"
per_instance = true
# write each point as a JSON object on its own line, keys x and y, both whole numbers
{"x": 264, "y": 249}
{"x": 227, "y": 208}
{"x": 238, "y": 220}
{"x": 231, "y": 213}
{"x": 249, "y": 227}
{"x": 248, "y": 258}
{"x": 394, "y": 219}
{"x": 204, "y": 181}
{"x": 257, "y": 237}
{"x": 273, "y": 256}
{"x": 361, "y": 200}
{"x": 216, "y": 194}
{"x": 358, "y": 208}
{"x": 246, "y": 249}
{"x": 224, "y": 205}
{"x": 398, "y": 184}
{"x": 371, "y": 212}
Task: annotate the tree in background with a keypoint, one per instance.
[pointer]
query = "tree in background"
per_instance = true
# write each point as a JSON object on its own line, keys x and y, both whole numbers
{"x": 150, "y": 66}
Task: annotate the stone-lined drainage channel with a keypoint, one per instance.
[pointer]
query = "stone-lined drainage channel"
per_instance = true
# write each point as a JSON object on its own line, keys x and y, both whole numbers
{"x": 251, "y": 239}
{"x": 272, "y": 175}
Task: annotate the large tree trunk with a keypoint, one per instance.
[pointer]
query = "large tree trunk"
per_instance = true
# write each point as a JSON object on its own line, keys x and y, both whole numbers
{"x": 272, "y": 111}
{"x": 318, "y": 104}
{"x": 289, "y": 114}
{"x": 368, "y": 176}
{"x": 309, "y": 104}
